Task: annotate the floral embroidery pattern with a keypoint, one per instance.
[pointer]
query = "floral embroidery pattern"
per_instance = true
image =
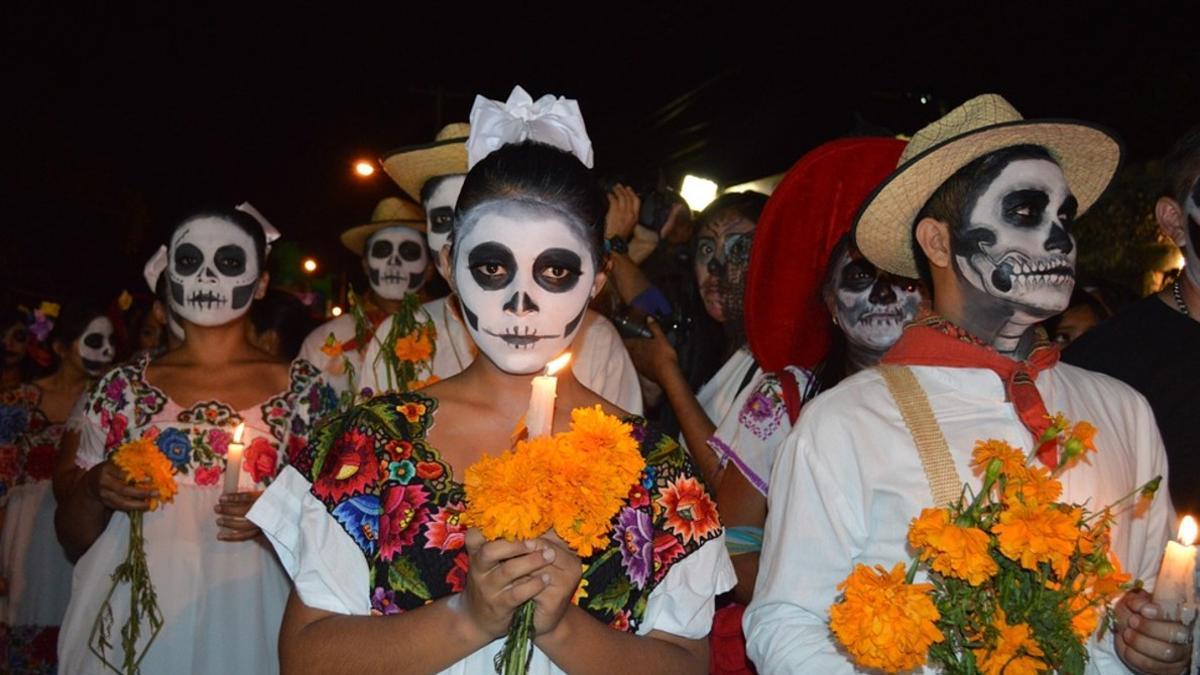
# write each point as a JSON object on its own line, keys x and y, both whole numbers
{"x": 28, "y": 440}
{"x": 210, "y": 412}
{"x": 764, "y": 410}
{"x": 391, "y": 492}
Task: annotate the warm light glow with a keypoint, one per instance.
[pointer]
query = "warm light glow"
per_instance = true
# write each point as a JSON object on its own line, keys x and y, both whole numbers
{"x": 558, "y": 364}
{"x": 364, "y": 168}
{"x": 698, "y": 192}
{"x": 336, "y": 311}
{"x": 237, "y": 433}
{"x": 1187, "y": 531}
{"x": 309, "y": 265}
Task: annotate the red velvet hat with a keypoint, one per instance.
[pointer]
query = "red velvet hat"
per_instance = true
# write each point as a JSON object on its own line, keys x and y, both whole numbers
{"x": 813, "y": 206}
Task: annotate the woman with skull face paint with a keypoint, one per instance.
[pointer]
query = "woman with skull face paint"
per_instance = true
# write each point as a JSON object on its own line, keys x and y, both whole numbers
{"x": 222, "y": 592}
{"x": 526, "y": 258}
{"x": 35, "y": 574}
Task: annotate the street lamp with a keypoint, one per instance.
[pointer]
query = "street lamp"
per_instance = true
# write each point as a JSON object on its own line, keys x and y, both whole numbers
{"x": 309, "y": 265}
{"x": 335, "y": 310}
{"x": 364, "y": 168}
{"x": 698, "y": 192}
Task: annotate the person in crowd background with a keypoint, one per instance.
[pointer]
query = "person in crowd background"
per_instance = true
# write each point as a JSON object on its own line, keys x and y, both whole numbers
{"x": 279, "y": 324}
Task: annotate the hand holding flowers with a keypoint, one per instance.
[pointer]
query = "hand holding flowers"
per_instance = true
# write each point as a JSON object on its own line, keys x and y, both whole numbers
{"x": 501, "y": 577}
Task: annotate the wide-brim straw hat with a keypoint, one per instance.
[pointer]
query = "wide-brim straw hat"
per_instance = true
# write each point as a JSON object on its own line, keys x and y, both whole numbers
{"x": 1088, "y": 154}
{"x": 412, "y": 166}
{"x": 389, "y": 212}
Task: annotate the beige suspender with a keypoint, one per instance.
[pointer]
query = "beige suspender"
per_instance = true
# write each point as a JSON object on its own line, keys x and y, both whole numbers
{"x": 943, "y": 478}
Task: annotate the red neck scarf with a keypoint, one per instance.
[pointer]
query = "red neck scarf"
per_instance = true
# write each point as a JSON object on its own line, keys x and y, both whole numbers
{"x": 934, "y": 341}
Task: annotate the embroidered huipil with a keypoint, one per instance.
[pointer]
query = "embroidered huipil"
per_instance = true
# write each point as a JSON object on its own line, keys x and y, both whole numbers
{"x": 222, "y": 601}
{"x": 848, "y": 481}
{"x": 369, "y": 523}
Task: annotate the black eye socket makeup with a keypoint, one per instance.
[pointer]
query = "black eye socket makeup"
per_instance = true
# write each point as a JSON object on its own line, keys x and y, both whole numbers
{"x": 492, "y": 265}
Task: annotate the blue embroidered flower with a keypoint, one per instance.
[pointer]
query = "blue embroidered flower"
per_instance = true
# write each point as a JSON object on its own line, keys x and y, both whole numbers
{"x": 176, "y": 446}
{"x": 360, "y": 518}
{"x": 13, "y": 420}
{"x": 648, "y": 476}
{"x": 401, "y": 472}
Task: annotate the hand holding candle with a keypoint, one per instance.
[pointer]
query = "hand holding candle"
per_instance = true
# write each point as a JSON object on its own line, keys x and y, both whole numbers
{"x": 233, "y": 460}
{"x": 1175, "y": 589}
{"x": 539, "y": 420}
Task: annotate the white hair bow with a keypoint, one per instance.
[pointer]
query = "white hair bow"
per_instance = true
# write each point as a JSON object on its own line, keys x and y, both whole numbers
{"x": 154, "y": 267}
{"x": 550, "y": 119}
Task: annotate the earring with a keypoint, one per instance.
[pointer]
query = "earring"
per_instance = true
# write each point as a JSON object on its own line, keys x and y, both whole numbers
{"x": 835, "y": 319}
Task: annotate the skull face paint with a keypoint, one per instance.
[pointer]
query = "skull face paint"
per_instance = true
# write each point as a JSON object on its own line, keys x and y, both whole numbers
{"x": 439, "y": 213}
{"x": 213, "y": 271}
{"x": 1191, "y": 210}
{"x": 871, "y": 305}
{"x": 396, "y": 260}
{"x": 1015, "y": 244}
{"x": 722, "y": 252}
{"x": 524, "y": 278}
{"x": 95, "y": 345}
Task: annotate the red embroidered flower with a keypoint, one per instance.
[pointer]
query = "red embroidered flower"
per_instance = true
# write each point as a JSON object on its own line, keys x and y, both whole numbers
{"x": 404, "y": 513}
{"x": 456, "y": 578}
{"x": 116, "y": 428}
{"x": 350, "y": 467}
{"x": 207, "y": 475}
{"x": 444, "y": 531}
{"x": 689, "y": 510}
{"x": 9, "y": 469}
{"x": 620, "y": 621}
{"x": 429, "y": 470}
{"x": 39, "y": 463}
{"x": 295, "y": 448}
{"x": 638, "y": 496}
{"x": 261, "y": 459}
{"x": 667, "y": 550}
{"x": 399, "y": 450}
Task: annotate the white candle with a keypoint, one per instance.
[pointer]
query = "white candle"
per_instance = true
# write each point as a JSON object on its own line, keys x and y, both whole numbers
{"x": 1175, "y": 588}
{"x": 233, "y": 460}
{"x": 539, "y": 419}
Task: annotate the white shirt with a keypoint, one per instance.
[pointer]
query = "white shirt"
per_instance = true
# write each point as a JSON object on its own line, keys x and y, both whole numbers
{"x": 724, "y": 391}
{"x": 601, "y": 362}
{"x": 848, "y": 481}
{"x": 332, "y": 367}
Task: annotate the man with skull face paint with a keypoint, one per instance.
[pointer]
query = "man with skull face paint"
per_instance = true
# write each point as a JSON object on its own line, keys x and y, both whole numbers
{"x": 395, "y": 261}
{"x": 1152, "y": 344}
{"x": 221, "y": 592}
{"x": 35, "y": 574}
{"x": 983, "y": 201}
{"x": 525, "y": 259}
{"x": 435, "y": 173}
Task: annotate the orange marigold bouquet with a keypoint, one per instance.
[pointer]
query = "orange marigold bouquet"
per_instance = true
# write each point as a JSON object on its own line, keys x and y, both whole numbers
{"x": 1017, "y": 581}
{"x": 143, "y": 464}
{"x": 573, "y": 483}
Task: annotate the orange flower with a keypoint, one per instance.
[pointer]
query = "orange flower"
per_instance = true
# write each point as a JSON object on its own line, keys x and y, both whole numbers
{"x": 953, "y": 551}
{"x": 1080, "y": 441}
{"x": 332, "y": 348}
{"x": 1014, "y": 653}
{"x": 1012, "y": 461}
{"x": 421, "y": 384}
{"x": 414, "y": 347}
{"x": 142, "y": 460}
{"x": 411, "y": 411}
{"x": 691, "y": 513}
{"x": 1032, "y": 534}
{"x": 1033, "y": 486}
{"x": 884, "y": 622}
{"x": 1085, "y": 616}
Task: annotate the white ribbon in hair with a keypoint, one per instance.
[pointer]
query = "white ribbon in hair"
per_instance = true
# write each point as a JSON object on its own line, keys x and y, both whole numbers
{"x": 269, "y": 232}
{"x": 154, "y": 267}
{"x": 550, "y": 119}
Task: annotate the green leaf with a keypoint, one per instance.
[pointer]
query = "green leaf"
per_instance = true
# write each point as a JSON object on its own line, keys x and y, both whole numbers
{"x": 614, "y": 598}
{"x": 666, "y": 451}
{"x": 325, "y": 437}
{"x": 404, "y": 576}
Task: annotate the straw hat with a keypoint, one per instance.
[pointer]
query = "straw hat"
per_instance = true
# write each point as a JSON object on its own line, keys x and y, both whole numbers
{"x": 390, "y": 212}
{"x": 1088, "y": 154}
{"x": 413, "y": 165}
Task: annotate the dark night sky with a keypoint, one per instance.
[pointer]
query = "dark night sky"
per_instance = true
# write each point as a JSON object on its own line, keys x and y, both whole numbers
{"x": 116, "y": 123}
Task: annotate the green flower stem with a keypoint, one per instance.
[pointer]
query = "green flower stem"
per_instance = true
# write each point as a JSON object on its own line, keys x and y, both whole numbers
{"x": 518, "y": 646}
{"x": 143, "y": 601}
{"x": 1148, "y": 488}
{"x": 599, "y": 562}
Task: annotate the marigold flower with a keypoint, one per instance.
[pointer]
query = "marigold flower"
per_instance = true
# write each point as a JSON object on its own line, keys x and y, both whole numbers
{"x": 414, "y": 347}
{"x": 1032, "y": 534}
{"x": 883, "y": 621}
{"x": 141, "y": 460}
{"x": 1033, "y": 486}
{"x": 1014, "y": 653}
{"x": 953, "y": 551}
{"x": 331, "y": 348}
{"x": 1012, "y": 460}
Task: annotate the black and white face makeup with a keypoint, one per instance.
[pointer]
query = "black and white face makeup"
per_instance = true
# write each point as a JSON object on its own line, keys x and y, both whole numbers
{"x": 212, "y": 271}
{"x": 439, "y": 214}
{"x": 871, "y": 305}
{"x": 96, "y": 345}
{"x": 396, "y": 260}
{"x": 722, "y": 245}
{"x": 1191, "y": 213}
{"x": 524, "y": 278}
{"x": 1015, "y": 240}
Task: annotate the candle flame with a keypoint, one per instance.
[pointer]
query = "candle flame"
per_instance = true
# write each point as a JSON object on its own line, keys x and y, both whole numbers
{"x": 237, "y": 433}
{"x": 1187, "y": 531}
{"x": 558, "y": 364}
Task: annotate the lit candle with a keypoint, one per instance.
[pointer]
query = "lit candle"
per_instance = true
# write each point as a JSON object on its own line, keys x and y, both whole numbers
{"x": 233, "y": 460}
{"x": 1175, "y": 588}
{"x": 539, "y": 419}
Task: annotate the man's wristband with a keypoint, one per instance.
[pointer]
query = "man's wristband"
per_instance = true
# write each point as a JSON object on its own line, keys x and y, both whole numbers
{"x": 616, "y": 245}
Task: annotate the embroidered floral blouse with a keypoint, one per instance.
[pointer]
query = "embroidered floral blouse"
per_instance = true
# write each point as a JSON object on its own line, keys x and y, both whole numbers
{"x": 28, "y": 440}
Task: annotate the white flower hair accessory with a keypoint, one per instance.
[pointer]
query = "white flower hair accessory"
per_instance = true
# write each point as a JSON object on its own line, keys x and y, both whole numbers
{"x": 154, "y": 267}
{"x": 552, "y": 120}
